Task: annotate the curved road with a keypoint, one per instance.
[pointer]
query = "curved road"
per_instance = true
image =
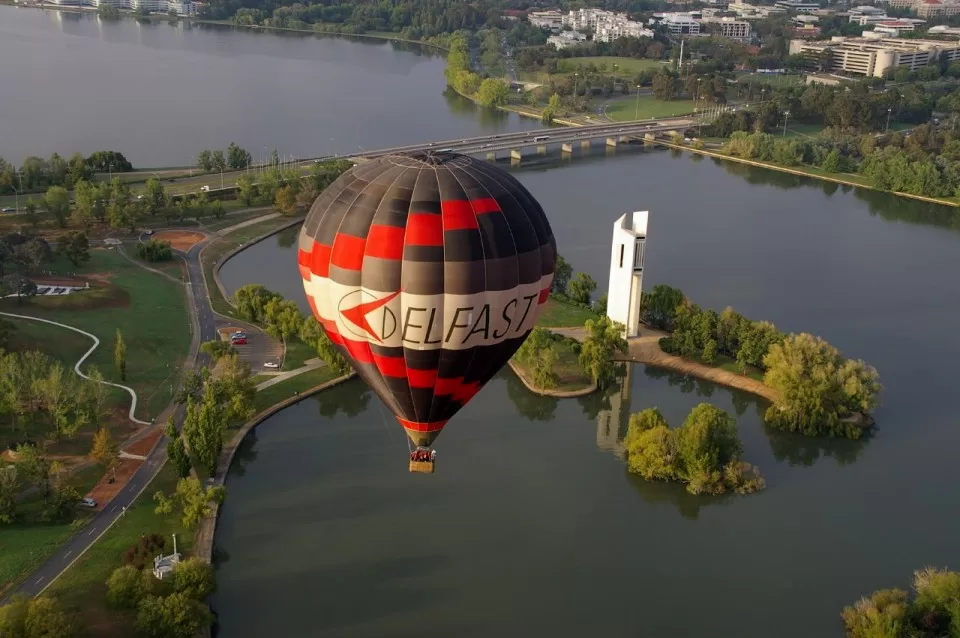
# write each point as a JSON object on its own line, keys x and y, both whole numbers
{"x": 41, "y": 578}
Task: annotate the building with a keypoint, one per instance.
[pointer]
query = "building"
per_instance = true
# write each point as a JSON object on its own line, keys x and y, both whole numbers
{"x": 735, "y": 29}
{"x": 606, "y": 25}
{"x": 857, "y": 12}
{"x": 149, "y": 6}
{"x": 936, "y": 9}
{"x": 180, "y": 7}
{"x": 942, "y": 29}
{"x": 566, "y": 39}
{"x": 872, "y": 56}
{"x": 894, "y": 27}
{"x": 626, "y": 270}
{"x": 679, "y": 23}
{"x": 552, "y": 20}
{"x": 610, "y": 31}
{"x": 797, "y": 5}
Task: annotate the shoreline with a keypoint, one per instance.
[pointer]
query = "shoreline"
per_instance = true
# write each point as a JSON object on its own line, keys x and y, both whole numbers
{"x": 557, "y": 394}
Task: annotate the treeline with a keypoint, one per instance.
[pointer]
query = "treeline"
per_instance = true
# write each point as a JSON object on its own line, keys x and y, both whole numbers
{"x": 486, "y": 91}
{"x": 577, "y": 290}
{"x": 933, "y": 611}
{"x": 282, "y": 319}
{"x": 288, "y": 190}
{"x": 412, "y": 20}
{"x": 819, "y": 391}
{"x": 36, "y": 174}
{"x": 541, "y": 351}
{"x": 235, "y": 158}
{"x": 703, "y": 453}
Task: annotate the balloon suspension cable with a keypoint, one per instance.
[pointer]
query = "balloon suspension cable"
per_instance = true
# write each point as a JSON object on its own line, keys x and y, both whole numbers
{"x": 386, "y": 426}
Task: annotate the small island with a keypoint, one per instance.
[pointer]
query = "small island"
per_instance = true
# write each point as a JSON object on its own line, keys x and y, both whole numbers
{"x": 934, "y": 610}
{"x": 703, "y": 453}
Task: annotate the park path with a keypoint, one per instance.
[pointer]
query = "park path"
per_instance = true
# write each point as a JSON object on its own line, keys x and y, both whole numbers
{"x": 245, "y": 223}
{"x": 311, "y": 364}
{"x": 76, "y": 367}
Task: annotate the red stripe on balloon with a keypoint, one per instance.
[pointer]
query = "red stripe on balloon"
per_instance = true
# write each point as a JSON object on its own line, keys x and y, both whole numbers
{"x": 466, "y": 392}
{"x": 348, "y": 252}
{"x": 330, "y": 327}
{"x": 447, "y": 386}
{"x": 424, "y": 229}
{"x": 435, "y": 426}
{"x": 320, "y": 259}
{"x": 391, "y": 366}
{"x": 485, "y": 205}
{"x": 359, "y": 350}
{"x": 458, "y": 215}
{"x": 421, "y": 378}
{"x": 385, "y": 242}
{"x": 544, "y": 295}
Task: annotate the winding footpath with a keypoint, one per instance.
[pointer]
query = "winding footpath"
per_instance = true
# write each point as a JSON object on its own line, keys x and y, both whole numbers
{"x": 76, "y": 367}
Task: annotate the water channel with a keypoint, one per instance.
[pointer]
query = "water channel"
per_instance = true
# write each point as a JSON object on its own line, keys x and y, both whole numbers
{"x": 532, "y": 526}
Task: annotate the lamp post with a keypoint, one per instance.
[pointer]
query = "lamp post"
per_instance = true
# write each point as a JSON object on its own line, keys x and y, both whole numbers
{"x": 636, "y": 114}
{"x": 786, "y": 114}
{"x": 576, "y": 79}
{"x": 889, "y": 112}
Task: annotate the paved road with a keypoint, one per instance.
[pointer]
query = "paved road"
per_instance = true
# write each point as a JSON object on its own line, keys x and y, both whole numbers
{"x": 51, "y": 569}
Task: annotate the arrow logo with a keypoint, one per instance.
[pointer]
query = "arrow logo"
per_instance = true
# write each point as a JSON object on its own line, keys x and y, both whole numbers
{"x": 358, "y": 314}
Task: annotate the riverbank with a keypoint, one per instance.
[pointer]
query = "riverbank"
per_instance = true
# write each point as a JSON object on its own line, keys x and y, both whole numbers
{"x": 549, "y": 392}
{"x": 853, "y": 180}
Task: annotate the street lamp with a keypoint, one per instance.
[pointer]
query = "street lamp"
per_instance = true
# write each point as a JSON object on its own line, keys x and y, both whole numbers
{"x": 576, "y": 78}
{"x": 786, "y": 114}
{"x": 636, "y": 115}
{"x": 889, "y": 111}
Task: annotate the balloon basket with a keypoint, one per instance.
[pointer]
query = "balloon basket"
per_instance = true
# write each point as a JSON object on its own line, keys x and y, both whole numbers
{"x": 422, "y": 467}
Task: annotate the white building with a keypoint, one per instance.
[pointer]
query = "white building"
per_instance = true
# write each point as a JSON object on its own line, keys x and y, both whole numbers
{"x": 566, "y": 39}
{"x": 610, "y": 31}
{"x": 606, "y": 25}
{"x": 552, "y": 20}
{"x": 681, "y": 24}
{"x": 735, "y": 29}
{"x": 875, "y": 56}
{"x": 797, "y": 5}
{"x": 942, "y": 29}
{"x": 626, "y": 270}
{"x": 180, "y": 7}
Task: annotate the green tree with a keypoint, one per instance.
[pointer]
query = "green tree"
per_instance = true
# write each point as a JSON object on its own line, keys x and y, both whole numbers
{"x": 562, "y": 272}
{"x": 154, "y": 196}
{"x": 312, "y": 334}
{"x": 831, "y": 163}
{"x": 30, "y": 210}
{"x": 57, "y": 201}
{"x": 659, "y": 306}
{"x": 706, "y": 442}
{"x": 285, "y": 201}
{"x": 544, "y": 368}
{"x": 104, "y": 451}
{"x": 604, "y": 339}
{"x": 882, "y": 615}
{"x": 493, "y": 92}
{"x": 177, "y": 453}
{"x": 217, "y": 160}
{"x": 190, "y": 500}
{"x": 581, "y": 287}
{"x": 238, "y": 158}
{"x": 194, "y": 578}
{"x": 246, "y": 190}
{"x": 203, "y": 428}
{"x": 173, "y": 616}
{"x": 646, "y": 420}
{"x": 205, "y": 160}
{"x": 75, "y": 247}
{"x": 120, "y": 355}
{"x": 10, "y": 488}
{"x": 710, "y": 352}
{"x": 85, "y": 195}
{"x": 651, "y": 453}
{"x": 127, "y": 586}
{"x": 217, "y": 349}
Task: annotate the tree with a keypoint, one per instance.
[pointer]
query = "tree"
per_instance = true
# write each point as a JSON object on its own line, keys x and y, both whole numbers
{"x": 57, "y": 201}
{"x": 120, "y": 355}
{"x": 203, "y": 428}
{"x": 194, "y": 578}
{"x": 217, "y": 161}
{"x": 882, "y": 615}
{"x": 600, "y": 305}
{"x": 191, "y": 500}
{"x": 312, "y": 334}
{"x": 581, "y": 287}
{"x": 85, "y": 195}
{"x": 286, "y": 201}
{"x": 709, "y": 355}
{"x": 665, "y": 85}
{"x": 604, "y": 339}
{"x": 104, "y": 161}
{"x": 127, "y": 586}
{"x": 154, "y": 250}
{"x": 660, "y": 306}
{"x": 544, "y": 373}
{"x": 217, "y": 349}
{"x": 173, "y": 616}
{"x": 706, "y": 442}
{"x": 104, "y": 450}
{"x": 75, "y": 247}
{"x": 205, "y": 160}
{"x": 238, "y": 158}
{"x": 177, "y": 453}
{"x": 562, "y": 271}
{"x": 493, "y": 92}
{"x": 10, "y": 488}
{"x": 154, "y": 196}
{"x": 98, "y": 393}
{"x": 246, "y": 190}
{"x": 30, "y": 210}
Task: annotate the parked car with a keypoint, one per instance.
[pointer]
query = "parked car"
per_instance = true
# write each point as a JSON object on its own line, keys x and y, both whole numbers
{"x": 148, "y": 232}
{"x": 88, "y": 502}
{"x": 205, "y": 188}
{"x": 273, "y": 365}
{"x": 8, "y": 210}
{"x": 239, "y": 341}
{"x": 239, "y": 335}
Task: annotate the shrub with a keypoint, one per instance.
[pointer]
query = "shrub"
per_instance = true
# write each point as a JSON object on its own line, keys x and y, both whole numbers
{"x": 154, "y": 250}
{"x": 141, "y": 554}
{"x": 194, "y": 578}
{"x": 127, "y": 586}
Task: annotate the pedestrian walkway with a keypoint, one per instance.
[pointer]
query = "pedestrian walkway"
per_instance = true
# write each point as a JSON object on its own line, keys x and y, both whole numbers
{"x": 310, "y": 364}
{"x": 244, "y": 224}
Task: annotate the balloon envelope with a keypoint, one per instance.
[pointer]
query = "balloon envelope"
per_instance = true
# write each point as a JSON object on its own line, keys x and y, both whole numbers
{"x": 427, "y": 271}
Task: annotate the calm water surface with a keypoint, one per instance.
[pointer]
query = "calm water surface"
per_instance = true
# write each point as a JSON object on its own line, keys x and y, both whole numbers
{"x": 531, "y": 525}
{"x": 161, "y": 92}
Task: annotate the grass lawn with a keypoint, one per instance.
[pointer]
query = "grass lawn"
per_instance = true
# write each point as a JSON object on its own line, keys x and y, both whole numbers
{"x": 570, "y": 375}
{"x": 285, "y": 389}
{"x": 297, "y": 354}
{"x": 650, "y": 108}
{"x": 730, "y": 365}
{"x": 236, "y": 218}
{"x": 149, "y": 310}
{"x": 24, "y": 546}
{"x": 560, "y": 314}
{"x": 624, "y": 65}
{"x": 81, "y": 588}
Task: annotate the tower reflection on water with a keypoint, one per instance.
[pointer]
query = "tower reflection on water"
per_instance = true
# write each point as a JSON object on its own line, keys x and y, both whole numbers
{"x": 613, "y": 418}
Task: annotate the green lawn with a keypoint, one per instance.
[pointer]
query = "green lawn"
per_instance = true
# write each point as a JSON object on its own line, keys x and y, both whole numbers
{"x": 624, "y": 65}
{"x": 571, "y": 376}
{"x": 297, "y": 354}
{"x": 730, "y": 365}
{"x": 236, "y": 218}
{"x": 560, "y": 314}
{"x": 81, "y": 588}
{"x": 149, "y": 310}
{"x": 649, "y": 108}
{"x": 24, "y": 546}
{"x": 286, "y": 389}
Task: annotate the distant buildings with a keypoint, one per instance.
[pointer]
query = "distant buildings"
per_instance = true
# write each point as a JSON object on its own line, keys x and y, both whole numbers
{"x": 873, "y": 56}
{"x": 180, "y": 7}
{"x": 566, "y": 39}
{"x": 552, "y": 20}
{"x": 605, "y": 25}
{"x": 797, "y": 5}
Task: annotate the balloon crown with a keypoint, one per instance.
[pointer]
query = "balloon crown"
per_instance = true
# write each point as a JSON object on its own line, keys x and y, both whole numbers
{"x": 417, "y": 159}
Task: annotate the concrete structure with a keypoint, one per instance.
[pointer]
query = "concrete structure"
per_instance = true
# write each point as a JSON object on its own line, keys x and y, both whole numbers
{"x": 942, "y": 29}
{"x": 936, "y": 9}
{"x": 797, "y": 5}
{"x": 681, "y": 23}
{"x": 180, "y": 7}
{"x": 552, "y": 20}
{"x": 735, "y": 29}
{"x": 163, "y": 565}
{"x": 606, "y": 25}
{"x": 873, "y": 56}
{"x": 610, "y": 31}
{"x": 867, "y": 10}
{"x": 566, "y": 39}
{"x": 894, "y": 28}
{"x": 626, "y": 270}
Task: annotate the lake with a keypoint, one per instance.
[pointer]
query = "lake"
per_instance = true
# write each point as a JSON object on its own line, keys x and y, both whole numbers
{"x": 531, "y": 525}
{"x": 161, "y": 92}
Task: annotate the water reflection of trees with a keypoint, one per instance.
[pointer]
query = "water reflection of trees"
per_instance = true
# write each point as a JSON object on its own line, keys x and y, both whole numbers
{"x": 245, "y": 455}
{"x": 350, "y": 399}
{"x": 888, "y": 206}
{"x": 799, "y": 450}
{"x": 595, "y": 402}
{"x": 529, "y": 405}
{"x": 288, "y": 238}
{"x": 488, "y": 117}
{"x": 663, "y": 493}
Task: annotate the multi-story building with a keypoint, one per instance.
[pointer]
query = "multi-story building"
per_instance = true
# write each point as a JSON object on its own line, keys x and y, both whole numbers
{"x": 606, "y": 25}
{"x": 566, "y": 39}
{"x": 180, "y": 7}
{"x": 610, "y": 31}
{"x": 873, "y": 56}
{"x": 858, "y": 12}
{"x": 552, "y": 20}
{"x": 797, "y": 5}
{"x": 936, "y": 9}
{"x": 735, "y": 29}
{"x": 942, "y": 29}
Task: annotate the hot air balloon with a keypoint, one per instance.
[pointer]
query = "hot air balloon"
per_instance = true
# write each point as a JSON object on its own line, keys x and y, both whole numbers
{"x": 427, "y": 271}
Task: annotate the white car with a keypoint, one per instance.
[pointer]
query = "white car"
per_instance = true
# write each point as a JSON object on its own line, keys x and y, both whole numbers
{"x": 8, "y": 210}
{"x": 205, "y": 189}
{"x": 88, "y": 502}
{"x": 273, "y": 365}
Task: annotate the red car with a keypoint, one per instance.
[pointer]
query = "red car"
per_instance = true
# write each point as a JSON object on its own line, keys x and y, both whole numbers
{"x": 239, "y": 341}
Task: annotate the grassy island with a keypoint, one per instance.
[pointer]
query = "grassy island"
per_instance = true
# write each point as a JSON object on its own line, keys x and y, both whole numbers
{"x": 933, "y": 611}
{"x": 703, "y": 453}
{"x": 818, "y": 391}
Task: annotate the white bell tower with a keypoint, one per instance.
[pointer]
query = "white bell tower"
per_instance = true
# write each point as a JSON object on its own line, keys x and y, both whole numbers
{"x": 626, "y": 270}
